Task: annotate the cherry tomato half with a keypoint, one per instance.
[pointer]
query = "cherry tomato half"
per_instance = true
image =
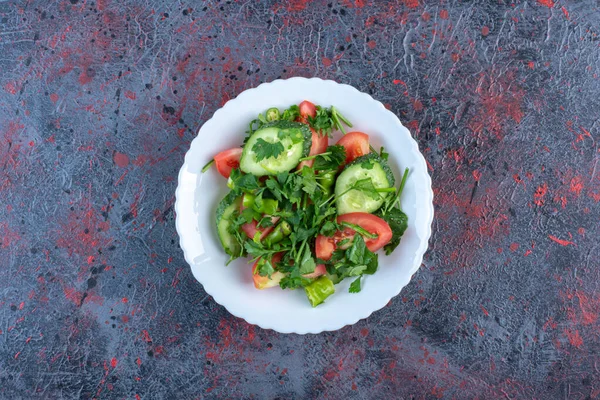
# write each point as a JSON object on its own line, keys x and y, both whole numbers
{"x": 307, "y": 109}
{"x": 228, "y": 160}
{"x": 356, "y": 145}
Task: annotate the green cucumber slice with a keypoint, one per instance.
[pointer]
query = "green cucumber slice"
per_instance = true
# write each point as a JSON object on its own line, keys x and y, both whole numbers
{"x": 225, "y": 210}
{"x": 368, "y": 166}
{"x": 296, "y": 139}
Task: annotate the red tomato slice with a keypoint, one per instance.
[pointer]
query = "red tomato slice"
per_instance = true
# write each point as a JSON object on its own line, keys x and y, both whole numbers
{"x": 318, "y": 146}
{"x": 356, "y": 145}
{"x": 325, "y": 246}
{"x": 307, "y": 109}
{"x": 263, "y": 282}
{"x": 228, "y": 160}
{"x": 252, "y": 228}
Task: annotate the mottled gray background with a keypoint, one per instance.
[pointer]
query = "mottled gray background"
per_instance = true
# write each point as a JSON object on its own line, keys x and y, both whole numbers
{"x": 99, "y": 101}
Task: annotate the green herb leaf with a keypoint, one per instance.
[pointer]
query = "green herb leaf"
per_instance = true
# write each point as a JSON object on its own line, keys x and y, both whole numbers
{"x": 322, "y": 122}
{"x": 355, "y": 270}
{"x": 356, "y": 252}
{"x": 329, "y": 228}
{"x": 372, "y": 264}
{"x": 307, "y": 264}
{"x": 309, "y": 183}
{"x": 366, "y": 186}
{"x": 243, "y": 182}
{"x": 355, "y": 286}
{"x": 383, "y": 154}
{"x": 265, "y": 268}
{"x": 334, "y": 157}
{"x": 398, "y": 222}
{"x": 264, "y": 149}
{"x": 367, "y": 164}
{"x": 295, "y": 135}
{"x": 291, "y": 114}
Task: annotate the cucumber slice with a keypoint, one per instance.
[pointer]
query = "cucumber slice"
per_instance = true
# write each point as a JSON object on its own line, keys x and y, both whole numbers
{"x": 368, "y": 166}
{"x": 225, "y": 210}
{"x": 296, "y": 139}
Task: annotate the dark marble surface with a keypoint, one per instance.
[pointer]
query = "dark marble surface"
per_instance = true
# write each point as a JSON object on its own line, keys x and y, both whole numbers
{"x": 99, "y": 101}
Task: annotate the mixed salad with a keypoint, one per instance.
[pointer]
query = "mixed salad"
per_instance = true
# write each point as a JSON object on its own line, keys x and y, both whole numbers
{"x": 307, "y": 213}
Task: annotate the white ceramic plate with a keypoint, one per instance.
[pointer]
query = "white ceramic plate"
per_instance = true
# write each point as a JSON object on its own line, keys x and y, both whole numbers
{"x": 289, "y": 311}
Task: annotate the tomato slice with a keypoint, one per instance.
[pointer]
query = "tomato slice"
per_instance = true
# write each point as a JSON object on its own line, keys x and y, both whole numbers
{"x": 356, "y": 145}
{"x": 250, "y": 229}
{"x": 325, "y": 246}
{"x": 263, "y": 282}
{"x": 228, "y": 160}
{"x": 307, "y": 109}
{"x": 318, "y": 146}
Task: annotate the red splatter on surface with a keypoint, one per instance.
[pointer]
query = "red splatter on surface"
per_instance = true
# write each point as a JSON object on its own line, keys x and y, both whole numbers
{"x": 130, "y": 95}
{"x": 371, "y": 44}
{"x": 547, "y": 3}
{"x": 576, "y": 185}
{"x": 485, "y": 31}
{"x": 485, "y": 312}
{"x": 326, "y": 61}
{"x": 500, "y": 99}
{"x": 8, "y": 236}
{"x": 114, "y": 362}
{"x": 411, "y": 3}
{"x": 540, "y": 193}
{"x": 122, "y": 160}
{"x": 54, "y": 97}
{"x": 514, "y": 247}
{"x": 560, "y": 241}
{"x": 574, "y": 337}
{"x": 444, "y": 14}
{"x": 297, "y": 5}
{"x": 11, "y": 88}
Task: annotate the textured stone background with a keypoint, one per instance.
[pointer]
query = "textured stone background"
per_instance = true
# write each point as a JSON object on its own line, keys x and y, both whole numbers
{"x": 99, "y": 101}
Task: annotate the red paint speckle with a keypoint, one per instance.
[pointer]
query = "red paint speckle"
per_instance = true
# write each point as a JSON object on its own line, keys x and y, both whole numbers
{"x": 560, "y": 241}
{"x": 54, "y": 97}
{"x": 538, "y": 196}
{"x": 565, "y": 11}
{"x": 122, "y": 160}
{"x": 125, "y": 300}
{"x": 531, "y": 65}
{"x": 10, "y": 88}
{"x": 411, "y": 3}
{"x": 444, "y": 14}
{"x": 547, "y": 3}
{"x": 485, "y": 31}
{"x": 114, "y": 362}
{"x": 130, "y": 95}
{"x": 574, "y": 338}
{"x": 514, "y": 247}
{"x": 364, "y": 332}
{"x": 576, "y": 185}
{"x": 372, "y": 44}
{"x": 326, "y": 61}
